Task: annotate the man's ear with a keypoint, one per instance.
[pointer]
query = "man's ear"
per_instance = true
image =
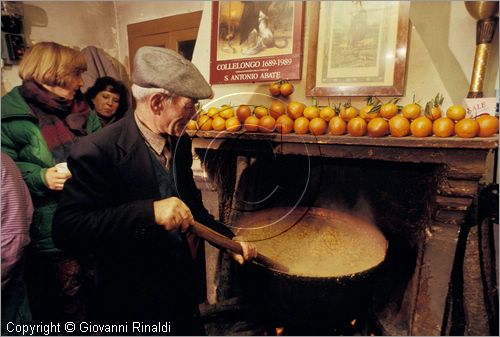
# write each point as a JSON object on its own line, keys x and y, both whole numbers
{"x": 156, "y": 102}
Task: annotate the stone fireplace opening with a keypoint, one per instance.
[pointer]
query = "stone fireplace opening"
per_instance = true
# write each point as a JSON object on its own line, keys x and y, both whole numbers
{"x": 416, "y": 197}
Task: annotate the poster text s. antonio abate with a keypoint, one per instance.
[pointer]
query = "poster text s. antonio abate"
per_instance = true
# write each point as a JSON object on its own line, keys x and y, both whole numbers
{"x": 253, "y": 70}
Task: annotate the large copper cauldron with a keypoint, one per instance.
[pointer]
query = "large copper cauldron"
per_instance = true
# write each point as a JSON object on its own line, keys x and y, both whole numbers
{"x": 331, "y": 257}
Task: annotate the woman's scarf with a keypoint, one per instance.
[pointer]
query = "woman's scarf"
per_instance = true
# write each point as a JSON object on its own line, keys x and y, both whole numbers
{"x": 61, "y": 121}
{"x": 106, "y": 120}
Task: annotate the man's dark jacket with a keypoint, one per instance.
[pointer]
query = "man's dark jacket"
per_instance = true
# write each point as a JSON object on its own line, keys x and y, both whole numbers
{"x": 144, "y": 273}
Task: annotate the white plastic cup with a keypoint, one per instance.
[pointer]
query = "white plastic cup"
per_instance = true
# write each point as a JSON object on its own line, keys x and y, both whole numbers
{"x": 62, "y": 168}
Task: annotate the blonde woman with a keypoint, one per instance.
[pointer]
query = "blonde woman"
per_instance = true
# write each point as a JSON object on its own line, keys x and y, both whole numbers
{"x": 41, "y": 120}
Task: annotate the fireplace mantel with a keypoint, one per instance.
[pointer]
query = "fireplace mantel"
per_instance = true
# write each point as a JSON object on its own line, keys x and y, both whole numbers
{"x": 407, "y": 142}
{"x": 461, "y": 164}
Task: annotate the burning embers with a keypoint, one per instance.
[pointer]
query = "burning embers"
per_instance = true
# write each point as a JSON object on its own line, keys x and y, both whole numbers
{"x": 355, "y": 327}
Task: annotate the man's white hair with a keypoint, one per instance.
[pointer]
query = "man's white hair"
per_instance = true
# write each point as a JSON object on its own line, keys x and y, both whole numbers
{"x": 141, "y": 93}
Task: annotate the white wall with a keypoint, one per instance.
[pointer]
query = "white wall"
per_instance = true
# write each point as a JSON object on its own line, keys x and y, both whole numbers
{"x": 449, "y": 36}
{"x": 441, "y": 51}
{"x": 441, "y": 55}
{"x": 76, "y": 24}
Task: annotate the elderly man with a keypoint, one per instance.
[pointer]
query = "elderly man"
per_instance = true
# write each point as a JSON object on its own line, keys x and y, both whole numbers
{"x": 132, "y": 199}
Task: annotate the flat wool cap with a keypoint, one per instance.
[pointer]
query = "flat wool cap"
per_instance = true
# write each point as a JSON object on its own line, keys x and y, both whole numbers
{"x": 156, "y": 67}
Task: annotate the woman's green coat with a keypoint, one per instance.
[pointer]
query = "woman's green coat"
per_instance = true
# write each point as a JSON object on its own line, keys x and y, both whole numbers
{"x": 24, "y": 143}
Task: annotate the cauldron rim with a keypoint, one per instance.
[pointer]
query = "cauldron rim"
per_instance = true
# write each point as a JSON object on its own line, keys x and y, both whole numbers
{"x": 321, "y": 279}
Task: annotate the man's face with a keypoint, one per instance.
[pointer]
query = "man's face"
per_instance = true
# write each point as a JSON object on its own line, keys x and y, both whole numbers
{"x": 176, "y": 114}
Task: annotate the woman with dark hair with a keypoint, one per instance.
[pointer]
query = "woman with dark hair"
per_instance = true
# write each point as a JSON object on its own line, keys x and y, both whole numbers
{"x": 109, "y": 99}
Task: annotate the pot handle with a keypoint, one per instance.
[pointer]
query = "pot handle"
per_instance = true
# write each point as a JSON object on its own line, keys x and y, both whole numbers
{"x": 221, "y": 241}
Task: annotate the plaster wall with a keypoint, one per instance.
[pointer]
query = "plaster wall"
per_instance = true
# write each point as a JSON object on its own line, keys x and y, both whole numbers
{"x": 441, "y": 48}
{"x": 441, "y": 55}
{"x": 77, "y": 24}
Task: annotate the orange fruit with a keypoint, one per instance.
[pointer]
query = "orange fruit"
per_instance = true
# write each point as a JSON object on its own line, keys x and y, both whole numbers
{"x": 443, "y": 127}
{"x": 218, "y": 123}
{"x": 412, "y": 111}
{"x": 434, "y": 113}
{"x": 348, "y": 113}
{"x": 311, "y": 112}
{"x": 260, "y": 111}
{"x": 243, "y": 112}
{"x": 301, "y": 125}
{"x": 191, "y": 125}
{"x": 252, "y": 124}
{"x": 226, "y": 111}
{"x": 327, "y": 113}
{"x": 233, "y": 124}
{"x": 467, "y": 128}
{"x": 388, "y": 110}
{"x": 455, "y": 112}
{"x": 378, "y": 127}
{"x": 212, "y": 112}
{"x": 277, "y": 109}
{"x": 399, "y": 126}
{"x": 433, "y": 107}
{"x": 367, "y": 114}
{"x": 488, "y": 125}
{"x": 274, "y": 89}
{"x": 267, "y": 124}
{"x": 337, "y": 126}
{"x": 202, "y": 113}
{"x": 421, "y": 127}
{"x": 295, "y": 109}
{"x": 356, "y": 127}
{"x": 286, "y": 89}
{"x": 317, "y": 126}
{"x": 205, "y": 123}
{"x": 284, "y": 124}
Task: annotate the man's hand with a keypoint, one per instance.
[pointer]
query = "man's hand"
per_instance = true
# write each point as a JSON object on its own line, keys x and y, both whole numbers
{"x": 172, "y": 213}
{"x": 55, "y": 180}
{"x": 249, "y": 251}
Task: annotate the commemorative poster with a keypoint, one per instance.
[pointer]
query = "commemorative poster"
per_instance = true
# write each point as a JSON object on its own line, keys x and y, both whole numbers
{"x": 256, "y": 41}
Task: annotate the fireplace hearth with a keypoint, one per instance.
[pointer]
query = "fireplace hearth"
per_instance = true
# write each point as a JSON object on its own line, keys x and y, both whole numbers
{"x": 417, "y": 191}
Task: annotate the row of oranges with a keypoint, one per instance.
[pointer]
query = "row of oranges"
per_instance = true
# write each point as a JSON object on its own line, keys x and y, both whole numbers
{"x": 298, "y": 118}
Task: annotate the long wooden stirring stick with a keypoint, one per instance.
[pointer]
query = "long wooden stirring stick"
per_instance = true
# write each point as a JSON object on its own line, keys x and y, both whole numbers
{"x": 221, "y": 241}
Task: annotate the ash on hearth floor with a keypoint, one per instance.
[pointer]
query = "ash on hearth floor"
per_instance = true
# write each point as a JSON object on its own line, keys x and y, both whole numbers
{"x": 231, "y": 318}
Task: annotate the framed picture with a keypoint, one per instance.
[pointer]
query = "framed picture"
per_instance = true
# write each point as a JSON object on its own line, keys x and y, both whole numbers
{"x": 357, "y": 48}
{"x": 256, "y": 41}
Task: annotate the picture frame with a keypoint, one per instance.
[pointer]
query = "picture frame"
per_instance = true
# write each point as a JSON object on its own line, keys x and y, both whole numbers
{"x": 357, "y": 48}
{"x": 256, "y": 41}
